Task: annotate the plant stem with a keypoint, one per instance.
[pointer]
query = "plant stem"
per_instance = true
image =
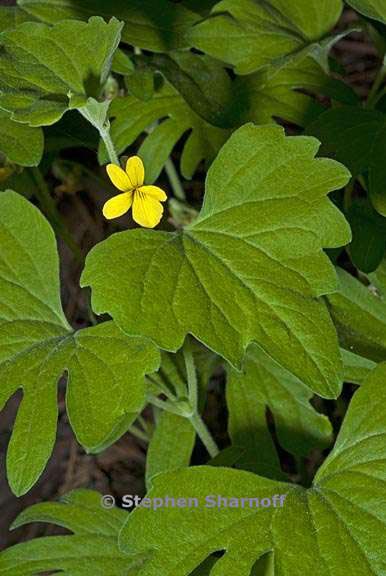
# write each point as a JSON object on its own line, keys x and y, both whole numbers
{"x": 191, "y": 374}
{"x": 347, "y": 198}
{"x": 174, "y": 180}
{"x": 204, "y": 434}
{"x": 138, "y": 433}
{"x": 49, "y": 208}
{"x": 106, "y": 137}
{"x": 372, "y": 98}
{"x": 195, "y": 419}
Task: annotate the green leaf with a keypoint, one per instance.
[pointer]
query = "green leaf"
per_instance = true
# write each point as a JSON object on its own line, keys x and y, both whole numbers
{"x": 250, "y": 35}
{"x": 11, "y": 16}
{"x": 258, "y": 238}
{"x": 335, "y": 527}
{"x": 156, "y": 25}
{"x": 368, "y": 245}
{"x": 264, "y": 384}
{"x": 39, "y": 80}
{"x": 91, "y": 549}
{"x": 134, "y": 116}
{"x": 171, "y": 445}
{"x": 357, "y": 138}
{"x": 105, "y": 368}
{"x": 19, "y": 143}
{"x": 356, "y": 368}
{"x": 207, "y": 88}
{"x": 263, "y": 97}
{"x": 359, "y": 314}
{"x": 372, "y": 8}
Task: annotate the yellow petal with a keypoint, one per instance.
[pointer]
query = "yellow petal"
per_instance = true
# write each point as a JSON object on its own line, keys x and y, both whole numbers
{"x": 146, "y": 210}
{"x": 154, "y": 192}
{"x": 119, "y": 177}
{"x": 118, "y": 205}
{"x": 135, "y": 171}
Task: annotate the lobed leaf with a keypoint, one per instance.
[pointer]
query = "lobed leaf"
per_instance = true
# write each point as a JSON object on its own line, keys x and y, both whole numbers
{"x": 359, "y": 314}
{"x": 372, "y": 8}
{"x": 250, "y": 268}
{"x": 91, "y": 549}
{"x": 45, "y": 70}
{"x": 356, "y": 137}
{"x": 251, "y": 35}
{"x": 299, "y": 427}
{"x": 157, "y": 25}
{"x": 19, "y": 143}
{"x": 106, "y": 369}
{"x": 335, "y": 527}
{"x": 133, "y": 116}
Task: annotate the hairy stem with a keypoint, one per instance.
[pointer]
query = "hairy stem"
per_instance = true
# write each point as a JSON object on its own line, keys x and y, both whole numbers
{"x": 204, "y": 434}
{"x": 174, "y": 180}
{"x": 191, "y": 374}
{"x": 106, "y": 137}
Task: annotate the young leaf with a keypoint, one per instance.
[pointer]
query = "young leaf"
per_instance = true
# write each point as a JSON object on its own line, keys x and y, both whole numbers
{"x": 91, "y": 549}
{"x": 171, "y": 445}
{"x": 356, "y": 368}
{"x": 372, "y": 8}
{"x": 263, "y": 383}
{"x": 250, "y": 35}
{"x": 19, "y": 143}
{"x": 105, "y": 368}
{"x": 250, "y": 268}
{"x": 359, "y": 315}
{"x": 134, "y": 116}
{"x": 156, "y": 25}
{"x": 357, "y": 138}
{"x": 335, "y": 527}
{"x": 45, "y": 70}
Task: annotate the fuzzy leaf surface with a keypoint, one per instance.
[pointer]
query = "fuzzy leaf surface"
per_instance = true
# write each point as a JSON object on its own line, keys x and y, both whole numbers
{"x": 92, "y": 548}
{"x": 251, "y": 35}
{"x": 156, "y": 25}
{"x": 335, "y": 527}
{"x": 105, "y": 368}
{"x": 20, "y": 143}
{"x": 250, "y": 268}
{"x": 45, "y": 70}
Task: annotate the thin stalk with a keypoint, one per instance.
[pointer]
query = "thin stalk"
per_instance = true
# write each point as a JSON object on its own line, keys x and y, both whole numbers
{"x": 138, "y": 433}
{"x": 174, "y": 180}
{"x": 162, "y": 387}
{"x": 204, "y": 434}
{"x": 191, "y": 374}
{"x": 195, "y": 419}
{"x": 105, "y": 135}
{"x": 347, "y": 197}
{"x": 373, "y": 94}
{"x": 164, "y": 405}
{"x": 49, "y": 208}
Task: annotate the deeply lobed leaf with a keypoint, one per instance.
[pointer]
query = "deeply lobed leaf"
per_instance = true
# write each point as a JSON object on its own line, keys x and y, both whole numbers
{"x": 106, "y": 368}
{"x": 250, "y": 268}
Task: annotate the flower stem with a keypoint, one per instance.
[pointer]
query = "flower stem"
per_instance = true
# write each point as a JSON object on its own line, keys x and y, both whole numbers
{"x": 106, "y": 137}
{"x": 135, "y": 431}
{"x": 204, "y": 434}
{"x": 374, "y": 95}
{"x": 191, "y": 374}
{"x": 174, "y": 180}
{"x": 195, "y": 419}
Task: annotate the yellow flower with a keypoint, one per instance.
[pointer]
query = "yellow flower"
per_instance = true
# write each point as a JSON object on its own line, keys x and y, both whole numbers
{"x": 144, "y": 200}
